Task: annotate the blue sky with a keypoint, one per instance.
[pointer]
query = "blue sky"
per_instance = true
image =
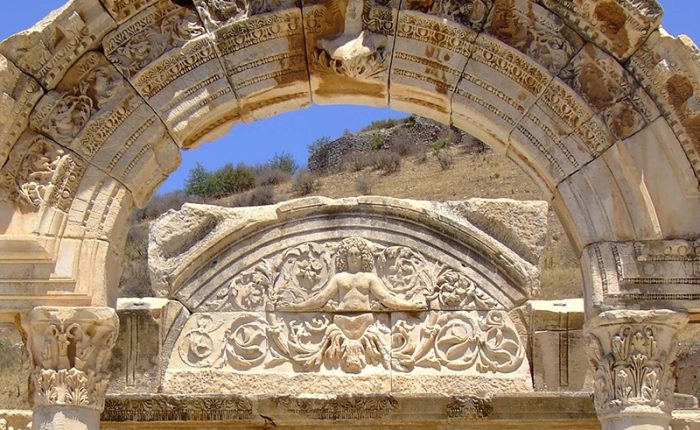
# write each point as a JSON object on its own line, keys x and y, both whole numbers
{"x": 291, "y": 132}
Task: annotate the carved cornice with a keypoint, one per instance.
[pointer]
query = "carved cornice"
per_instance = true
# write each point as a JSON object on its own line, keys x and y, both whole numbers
{"x": 155, "y": 408}
{"x": 632, "y": 354}
{"x": 652, "y": 274}
{"x": 340, "y": 408}
{"x": 70, "y": 349}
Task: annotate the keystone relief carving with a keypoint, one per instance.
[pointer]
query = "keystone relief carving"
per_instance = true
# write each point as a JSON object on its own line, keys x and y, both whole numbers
{"x": 357, "y": 52}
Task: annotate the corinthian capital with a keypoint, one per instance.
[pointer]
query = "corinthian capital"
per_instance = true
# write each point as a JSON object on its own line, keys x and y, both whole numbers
{"x": 70, "y": 349}
{"x": 632, "y": 354}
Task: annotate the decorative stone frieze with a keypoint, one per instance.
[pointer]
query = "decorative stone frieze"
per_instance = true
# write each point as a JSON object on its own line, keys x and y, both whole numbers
{"x": 535, "y": 31}
{"x": 70, "y": 349}
{"x": 346, "y": 299}
{"x": 658, "y": 273}
{"x": 166, "y": 54}
{"x": 121, "y": 10}
{"x": 177, "y": 408}
{"x": 632, "y": 354}
{"x": 92, "y": 109}
{"x": 469, "y": 13}
{"x": 428, "y": 58}
{"x": 619, "y": 27}
{"x": 18, "y": 94}
{"x": 49, "y": 49}
{"x": 340, "y": 408}
{"x": 40, "y": 172}
{"x": 265, "y": 61}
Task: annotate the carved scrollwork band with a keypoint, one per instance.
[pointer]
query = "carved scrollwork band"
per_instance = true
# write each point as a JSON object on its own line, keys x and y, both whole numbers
{"x": 484, "y": 342}
{"x": 632, "y": 354}
{"x": 177, "y": 408}
{"x": 70, "y": 349}
{"x": 350, "y": 275}
{"x": 351, "y": 305}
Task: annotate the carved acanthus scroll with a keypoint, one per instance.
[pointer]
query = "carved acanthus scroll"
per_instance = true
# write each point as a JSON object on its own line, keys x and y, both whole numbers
{"x": 458, "y": 341}
{"x": 632, "y": 354}
{"x": 70, "y": 349}
{"x": 316, "y": 277}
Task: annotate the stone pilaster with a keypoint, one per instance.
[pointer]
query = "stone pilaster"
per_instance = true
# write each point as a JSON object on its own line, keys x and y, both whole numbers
{"x": 632, "y": 354}
{"x": 70, "y": 349}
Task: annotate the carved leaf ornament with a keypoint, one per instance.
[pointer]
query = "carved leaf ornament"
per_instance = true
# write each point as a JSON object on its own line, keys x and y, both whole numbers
{"x": 632, "y": 373}
{"x": 355, "y": 282}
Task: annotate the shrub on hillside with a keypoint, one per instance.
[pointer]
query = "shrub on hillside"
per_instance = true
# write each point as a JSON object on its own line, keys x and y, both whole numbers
{"x": 304, "y": 183}
{"x": 259, "y": 196}
{"x": 271, "y": 175}
{"x": 446, "y": 160}
{"x": 387, "y": 161}
{"x": 285, "y": 162}
{"x": 229, "y": 179}
{"x": 377, "y": 141}
{"x": 364, "y": 184}
{"x": 356, "y": 161}
{"x": 200, "y": 182}
{"x": 404, "y": 147}
{"x": 438, "y": 145}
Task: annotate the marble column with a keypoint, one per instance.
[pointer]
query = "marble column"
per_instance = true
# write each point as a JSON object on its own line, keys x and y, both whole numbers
{"x": 632, "y": 354}
{"x": 70, "y": 349}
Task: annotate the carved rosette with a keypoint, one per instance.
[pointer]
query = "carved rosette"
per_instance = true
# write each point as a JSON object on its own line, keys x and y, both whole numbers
{"x": 70, "y": 349}
{"x": 632, "y": 354}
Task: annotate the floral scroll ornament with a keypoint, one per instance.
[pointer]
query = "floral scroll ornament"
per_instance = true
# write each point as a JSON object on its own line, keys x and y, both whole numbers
{"x": 457, "y": 291}
{"x": 407, "y": 273}
{"x": 634, "y": 372}
{"x": 246, "y": 342}
{"x": 462, "y": 341}
{"x": 197, "y": 349}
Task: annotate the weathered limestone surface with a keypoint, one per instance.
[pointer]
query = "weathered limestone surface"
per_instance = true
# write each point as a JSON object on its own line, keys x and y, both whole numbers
{"x": 556, "y": 342}
{"x": 70, "y": 349}
{"x": 353, "y": 296}
{"x": 633, "y": 356}
{"x": 590, "y": 97}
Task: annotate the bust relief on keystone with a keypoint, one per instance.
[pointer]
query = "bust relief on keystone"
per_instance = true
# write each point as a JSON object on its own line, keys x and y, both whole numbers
{"x": 356, "y": 53}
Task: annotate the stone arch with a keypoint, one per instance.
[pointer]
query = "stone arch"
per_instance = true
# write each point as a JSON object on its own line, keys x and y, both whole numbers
{"x": 591, "y": 98}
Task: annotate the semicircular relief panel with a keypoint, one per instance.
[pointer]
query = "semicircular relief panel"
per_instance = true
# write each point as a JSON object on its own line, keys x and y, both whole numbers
{"x": 343, "y": 298}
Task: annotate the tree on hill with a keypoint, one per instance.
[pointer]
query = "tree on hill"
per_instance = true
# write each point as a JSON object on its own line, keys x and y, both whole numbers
{"x": 200, "y": 182}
